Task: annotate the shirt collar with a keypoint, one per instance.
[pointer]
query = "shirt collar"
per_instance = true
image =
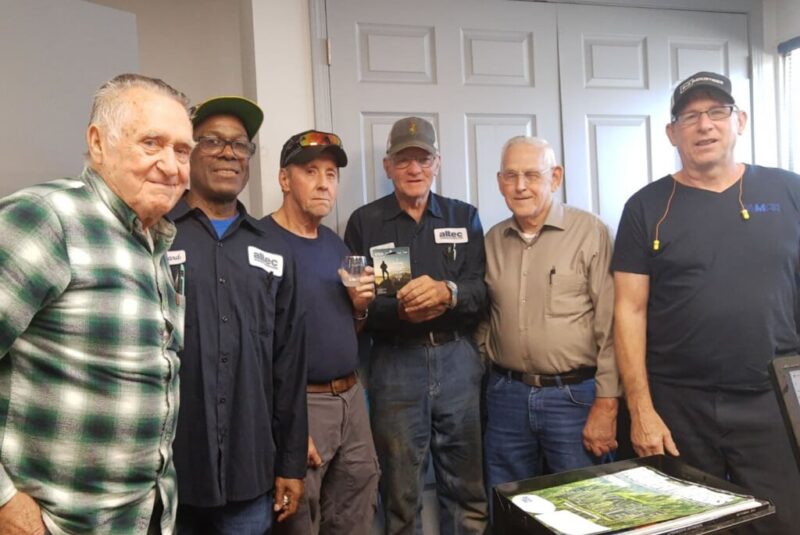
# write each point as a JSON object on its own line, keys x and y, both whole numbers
{"x": 555, "y": 219}
{"x": 117, "y": 206}
{"x": 182, "y": 210}
{"x": 391, "y": 208}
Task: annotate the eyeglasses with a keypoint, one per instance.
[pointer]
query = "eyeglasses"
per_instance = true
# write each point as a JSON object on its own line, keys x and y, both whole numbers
{"x": 401, "y": 162}
{"x": 717, "y": 113}
{"x": 530, "y": 177}
{"x": 214, "y": 146}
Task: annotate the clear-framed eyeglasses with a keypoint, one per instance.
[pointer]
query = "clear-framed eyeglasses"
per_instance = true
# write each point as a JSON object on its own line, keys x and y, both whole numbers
{"x": 530, "y": 177}
{"x": 401, "y": 162}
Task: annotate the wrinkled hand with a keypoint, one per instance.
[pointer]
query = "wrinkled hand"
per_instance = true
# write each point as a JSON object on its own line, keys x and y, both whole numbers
{"x": 422, "y": 299}
{"x": 21, "y": 515}
{"x": 600, "y": 431}
{"x": 421, "y": 315}
{"x": 314, "y": 458}
{"x": 363, "y": 294}
{"x": 650, "y": 435}
{"x": 287, "y": 497}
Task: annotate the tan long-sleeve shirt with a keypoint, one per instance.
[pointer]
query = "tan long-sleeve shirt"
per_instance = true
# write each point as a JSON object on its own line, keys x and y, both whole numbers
{"x": 552, "y": 297}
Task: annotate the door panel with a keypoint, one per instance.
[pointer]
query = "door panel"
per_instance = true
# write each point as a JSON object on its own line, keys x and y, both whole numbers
{"x": 618, "y": 68}
{"x": 479, "y": 70}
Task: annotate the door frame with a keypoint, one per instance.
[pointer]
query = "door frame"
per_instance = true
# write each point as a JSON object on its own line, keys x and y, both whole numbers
{"x": 762, "y": 83}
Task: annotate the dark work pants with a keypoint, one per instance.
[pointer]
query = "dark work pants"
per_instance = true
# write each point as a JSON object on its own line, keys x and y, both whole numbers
{"x": 740, "y": 437}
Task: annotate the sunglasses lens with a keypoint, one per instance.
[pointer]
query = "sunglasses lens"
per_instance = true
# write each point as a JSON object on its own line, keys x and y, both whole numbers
{"x": 312, "y": 139}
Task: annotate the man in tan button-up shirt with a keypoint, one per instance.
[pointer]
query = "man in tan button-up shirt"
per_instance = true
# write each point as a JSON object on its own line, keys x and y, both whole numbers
{"x": 553, "y": 387}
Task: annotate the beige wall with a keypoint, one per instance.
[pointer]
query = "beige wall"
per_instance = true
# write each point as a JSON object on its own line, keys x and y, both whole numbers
{"x": 788, "y": 23}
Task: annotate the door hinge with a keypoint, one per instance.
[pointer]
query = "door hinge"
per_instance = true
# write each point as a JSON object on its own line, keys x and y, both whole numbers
{"x": 328, "y": 46}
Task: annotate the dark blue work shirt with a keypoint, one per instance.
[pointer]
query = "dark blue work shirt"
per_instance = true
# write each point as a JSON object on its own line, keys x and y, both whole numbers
{"x": 331, "y": 343}
{"x": 383, "y": 222}
{"x": 242, "y": 418}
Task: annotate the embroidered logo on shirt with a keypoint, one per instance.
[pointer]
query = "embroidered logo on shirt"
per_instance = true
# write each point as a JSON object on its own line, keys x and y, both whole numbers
{"x": 176, "y": 257}
{"x": 271, "y": 263}
{"x": 450, "y": 235}
{"x": 387, "y": 245}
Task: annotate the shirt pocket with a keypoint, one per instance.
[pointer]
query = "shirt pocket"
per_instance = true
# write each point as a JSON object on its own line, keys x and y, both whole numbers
{"x": 567, "y": 295}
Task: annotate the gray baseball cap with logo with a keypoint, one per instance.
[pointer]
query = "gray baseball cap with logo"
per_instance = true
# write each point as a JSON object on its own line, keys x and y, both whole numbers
{"x": 412, "y": 132}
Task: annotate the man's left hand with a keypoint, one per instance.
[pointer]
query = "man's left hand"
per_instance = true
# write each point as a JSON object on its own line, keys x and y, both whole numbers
{"x": 363, "y": 294}
{"x": 287, "y": 497}
{"x": 600, "y": 431}
{"x": 424, "y": 293}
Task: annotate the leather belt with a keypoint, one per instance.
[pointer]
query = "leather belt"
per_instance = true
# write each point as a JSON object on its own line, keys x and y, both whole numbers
{"x": 572, "y": 377}
{"x": 430, "y": 338}
{"x": 336, "y": 386}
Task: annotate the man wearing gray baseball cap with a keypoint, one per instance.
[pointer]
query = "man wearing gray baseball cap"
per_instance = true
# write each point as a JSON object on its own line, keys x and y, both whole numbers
{"x": 425, "y": 372}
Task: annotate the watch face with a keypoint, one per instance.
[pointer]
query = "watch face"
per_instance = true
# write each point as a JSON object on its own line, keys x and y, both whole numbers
{"x": 453, "y": 293}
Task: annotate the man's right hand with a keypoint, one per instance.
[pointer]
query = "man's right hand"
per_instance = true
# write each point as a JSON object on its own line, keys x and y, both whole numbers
{"x": 21, "y": 515}
{"x": 314, "y": 458}
{"x": 650, "y": 435}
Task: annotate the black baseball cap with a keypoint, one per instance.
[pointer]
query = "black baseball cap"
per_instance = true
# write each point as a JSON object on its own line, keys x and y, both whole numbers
{"x": 305, "y": 146}
{"x": 701, "y": 80}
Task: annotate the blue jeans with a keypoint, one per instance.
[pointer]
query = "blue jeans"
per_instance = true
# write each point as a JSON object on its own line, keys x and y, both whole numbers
{"x": 528, "y": 426}
{"x": 427, "y": 399}
{"x": 250, "y": 517}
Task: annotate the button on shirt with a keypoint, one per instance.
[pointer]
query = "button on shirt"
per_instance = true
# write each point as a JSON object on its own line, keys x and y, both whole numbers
{"x": 89, "y": 329}
{"x": 384, "y": 222}
{"x": 552, "y": 297}
{"x": 243, "y": 368}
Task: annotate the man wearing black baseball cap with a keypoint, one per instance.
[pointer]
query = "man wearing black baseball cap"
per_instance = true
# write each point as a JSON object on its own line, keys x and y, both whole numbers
{"x": 425, "y": 372}
{"x": 342, "y": 479}
{"x": 240, "y": 447}
{"x": 706, "y": 262}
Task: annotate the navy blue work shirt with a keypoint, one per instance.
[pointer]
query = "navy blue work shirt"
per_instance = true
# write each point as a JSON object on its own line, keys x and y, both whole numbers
{"x": 383, "y": 222}
{"x": 242, "y": 418}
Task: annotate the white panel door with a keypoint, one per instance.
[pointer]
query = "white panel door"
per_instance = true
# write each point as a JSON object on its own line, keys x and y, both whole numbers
{"x": 618, "y": 68}
{"x": 480, "y": 70}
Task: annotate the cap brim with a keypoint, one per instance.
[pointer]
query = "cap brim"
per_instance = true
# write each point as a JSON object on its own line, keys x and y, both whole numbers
{"x": 724, "y": 96}
{"x": 309, "y": 153}
{"x": 394, "y": 149}
{"x": 244, "y": 109}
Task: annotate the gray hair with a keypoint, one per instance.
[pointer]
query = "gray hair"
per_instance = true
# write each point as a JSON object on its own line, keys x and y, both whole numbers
{"x": 110, "y": 111}
{"x": 538, "y": 142}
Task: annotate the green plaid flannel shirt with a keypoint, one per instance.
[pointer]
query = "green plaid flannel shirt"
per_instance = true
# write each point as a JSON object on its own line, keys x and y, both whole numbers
{"x": 89, "y": 329}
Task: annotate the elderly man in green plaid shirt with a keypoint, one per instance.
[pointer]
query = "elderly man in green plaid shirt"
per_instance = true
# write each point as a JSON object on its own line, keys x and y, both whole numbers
{"x": 90, "y": 322}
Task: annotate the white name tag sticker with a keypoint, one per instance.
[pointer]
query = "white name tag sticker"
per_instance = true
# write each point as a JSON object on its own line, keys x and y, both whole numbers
{"x": 176, "y": 257}
{"x": 387, "y": 245}
{"x": 450, "y": 235}
{"x": 271, "y": 263}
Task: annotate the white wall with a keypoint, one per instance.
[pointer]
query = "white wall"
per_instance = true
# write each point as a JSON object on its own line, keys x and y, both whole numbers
{"x": 53, "y": 55}
{"x": 282, "y": 50}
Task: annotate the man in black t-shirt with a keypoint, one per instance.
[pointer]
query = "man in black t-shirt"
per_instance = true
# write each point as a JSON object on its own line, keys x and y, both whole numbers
{"x": 705, "y": 267}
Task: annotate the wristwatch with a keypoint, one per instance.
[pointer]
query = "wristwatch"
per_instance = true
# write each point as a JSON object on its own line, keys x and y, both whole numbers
{"x": 453, "y": 294}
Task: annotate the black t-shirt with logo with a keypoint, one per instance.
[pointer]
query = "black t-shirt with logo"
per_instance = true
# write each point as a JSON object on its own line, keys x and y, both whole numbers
{"x": 723, "y": 295}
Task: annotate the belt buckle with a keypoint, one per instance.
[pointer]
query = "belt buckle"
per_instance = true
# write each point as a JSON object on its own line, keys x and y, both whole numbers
{"x": 432, "y": 338}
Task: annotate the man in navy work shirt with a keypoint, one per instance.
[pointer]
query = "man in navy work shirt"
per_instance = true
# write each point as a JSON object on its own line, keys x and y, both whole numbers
{"x": 705, "y": 268}
{"x": 342, "y": 480}
{"x": 425, "y": 372}
{"x": 242, "y": 428}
